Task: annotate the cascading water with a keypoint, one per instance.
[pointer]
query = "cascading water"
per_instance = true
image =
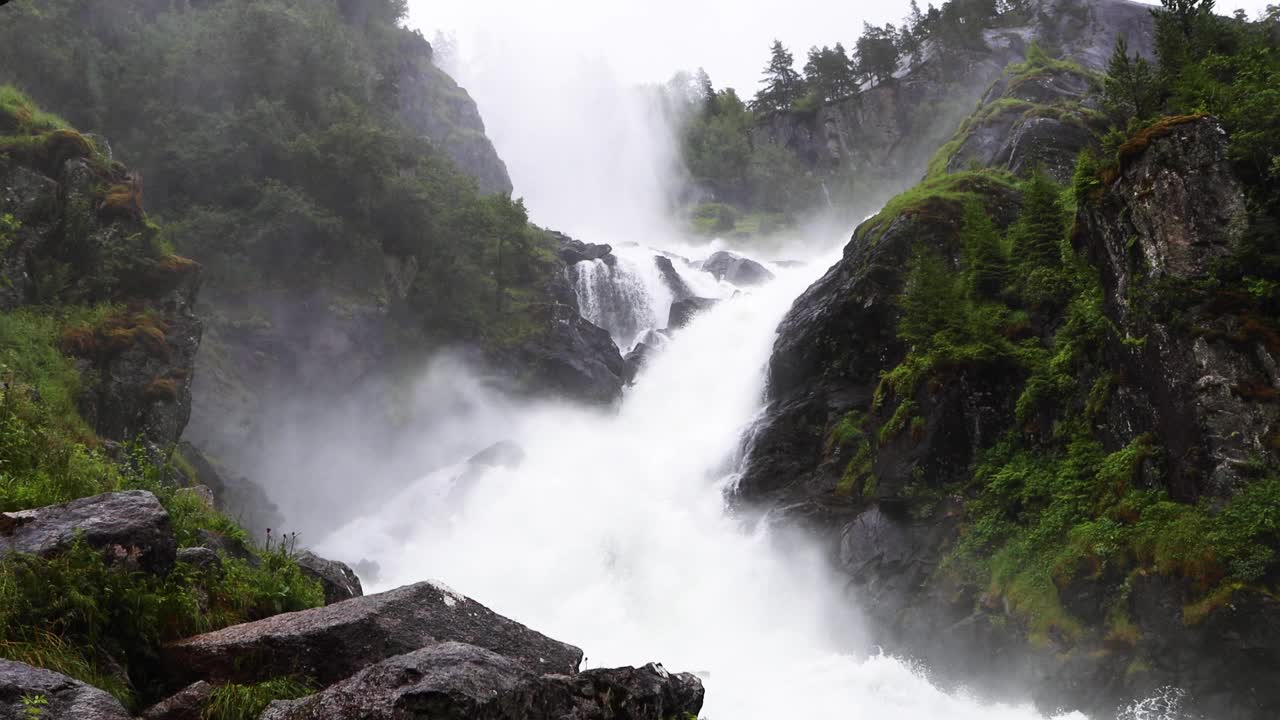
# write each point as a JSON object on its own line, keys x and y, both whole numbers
{"x": 624, "y": 294}
{"x": 614, "y": 534}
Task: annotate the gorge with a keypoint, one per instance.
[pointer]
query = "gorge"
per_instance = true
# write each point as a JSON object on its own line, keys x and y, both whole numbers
{"x": 978, "y": 420}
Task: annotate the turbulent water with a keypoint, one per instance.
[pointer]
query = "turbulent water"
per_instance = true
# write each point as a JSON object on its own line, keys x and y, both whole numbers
{"x": 614, "y": 534}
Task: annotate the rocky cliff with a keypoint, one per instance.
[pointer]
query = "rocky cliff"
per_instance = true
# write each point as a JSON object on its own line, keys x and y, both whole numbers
{"x": 881, "y": 140}
{"x": 1047, "y": 486}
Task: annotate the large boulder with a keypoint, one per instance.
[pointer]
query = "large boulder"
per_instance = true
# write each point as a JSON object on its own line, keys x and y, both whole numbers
{"x": 736, "y": 270}
{"x": 680, "y": 290}
{"x": 455, "y": 680}
{"x": 186, "y": 704}
{"x": 573, "y": 251}
{"x": 331, "y": 643}
{"x": 337, "y": 578}
{"x": 28, "y": 692}
{"x": 130, "y": 526}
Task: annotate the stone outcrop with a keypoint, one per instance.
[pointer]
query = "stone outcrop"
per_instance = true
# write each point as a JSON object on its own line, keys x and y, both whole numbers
{"x": 456, "y": 680}
{"x": 131, "y": 527}
{"x": 736, "y": 270}
{"x": 27, "y": 692}
{"x": 338, "y": 580}
{"x": 337, "y": 641}
{"x": 1198, "y": 381}
{"x": 1174, "y": 210}
{"x": 139, "y": 360}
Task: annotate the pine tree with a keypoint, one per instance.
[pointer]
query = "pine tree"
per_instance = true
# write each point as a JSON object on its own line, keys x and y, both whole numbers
{"x": 828, "y": 73}
{"x": 931, "y": 301}
{"x": 985, "y": 266}
{"x": 783, "y": 86}
{"x": 1041, "y": 225}
{"x": 877, "y": 52}
{"x": 707, "y": 90}
{"x": 1130, "y": 85}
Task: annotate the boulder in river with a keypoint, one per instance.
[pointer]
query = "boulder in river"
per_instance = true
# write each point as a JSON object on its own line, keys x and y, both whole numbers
{"x": 130, "y": 526}
{"x": 680, "y": 290}
{"x": 456, "y": 680}
{"x": 334, "y": 642}
{"x": 736, "y": 270}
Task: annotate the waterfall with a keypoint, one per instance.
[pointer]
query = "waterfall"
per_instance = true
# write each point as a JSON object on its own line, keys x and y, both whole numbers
{"x": 624, "y": 295}
{"x": 614, "y": 532}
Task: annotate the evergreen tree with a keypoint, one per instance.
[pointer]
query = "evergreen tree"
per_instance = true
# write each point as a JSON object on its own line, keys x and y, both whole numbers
{"x": 985, "y": 265}
{"x": 707, "y": 90}
{"x": 877, "y": 52}
{"x": 930, "y": 301}
{"x": 1041, "y": 225}
{"x": 1130, "y": 85}
{"x": 783, "y": 86}
{"x": 828, "y": 73}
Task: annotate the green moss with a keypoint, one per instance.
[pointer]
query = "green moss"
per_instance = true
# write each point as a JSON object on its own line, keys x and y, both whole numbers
{"x": 938, "y": 197}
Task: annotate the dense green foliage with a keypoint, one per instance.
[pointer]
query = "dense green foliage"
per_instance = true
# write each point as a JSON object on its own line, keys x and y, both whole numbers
{"x": 1047, "y": 504}
{"x": 93, "y": 615}
{"x": 275, "y": 145}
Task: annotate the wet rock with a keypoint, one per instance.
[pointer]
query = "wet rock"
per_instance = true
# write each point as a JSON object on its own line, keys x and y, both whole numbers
{"x": 455, "y": 680}
{"x": 336, "y": 641}
{"x": 569, "y": 357}
{"x": 338, "y": 580}
{"x": 573, "y": 251}
{"x": 684, "y": 311}
{"x": 680, "y": 290}
{"x": 131, "y": 527}
{"x": 64, "y": 698}
{"x": 1176, "y": 209}
{"x": 186, "y": 704}
{"x": 201, "y": 558}
{"x": 635, "y": 360}
{"x": 736, "y": 270}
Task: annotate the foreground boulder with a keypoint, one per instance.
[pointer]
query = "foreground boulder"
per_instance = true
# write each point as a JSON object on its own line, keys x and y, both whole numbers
{"x": 132, "y": 526}
{"x": 334, "y": 642}
{"x": 337, "y": 579}
{"x": 63, "y": 698}
{"x": 736, "y": 270}
{"x": 455, "y": 680}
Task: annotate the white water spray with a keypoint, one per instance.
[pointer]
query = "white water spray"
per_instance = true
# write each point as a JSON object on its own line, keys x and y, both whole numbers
{"x": 614, "y": 534}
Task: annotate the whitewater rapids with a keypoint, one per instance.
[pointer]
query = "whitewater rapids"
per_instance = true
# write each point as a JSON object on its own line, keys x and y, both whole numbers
{"x": 614, "y": 534}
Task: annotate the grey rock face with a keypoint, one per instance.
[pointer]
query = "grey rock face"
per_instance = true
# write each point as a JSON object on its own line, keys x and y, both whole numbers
{"x": 735, "y": 270}
{"x": 455, "y": 680}
{"x": 336, "y": 641}
{"x": 680, "y": 290}
{"x": 338, "y": 580}
{"x": 65, "y": 698}
{"x": 132, "y": 527}
{"x": 186, "y": 704}
{"x": 1174, "y": 210}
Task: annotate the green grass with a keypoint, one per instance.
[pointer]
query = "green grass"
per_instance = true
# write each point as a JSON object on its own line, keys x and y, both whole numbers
{"x": 943, "y": 196}
{"x": 246, "y": 702}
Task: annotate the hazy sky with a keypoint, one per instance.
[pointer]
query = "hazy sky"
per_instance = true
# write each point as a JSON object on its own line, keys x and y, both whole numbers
{"x": 648, "y": 40}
